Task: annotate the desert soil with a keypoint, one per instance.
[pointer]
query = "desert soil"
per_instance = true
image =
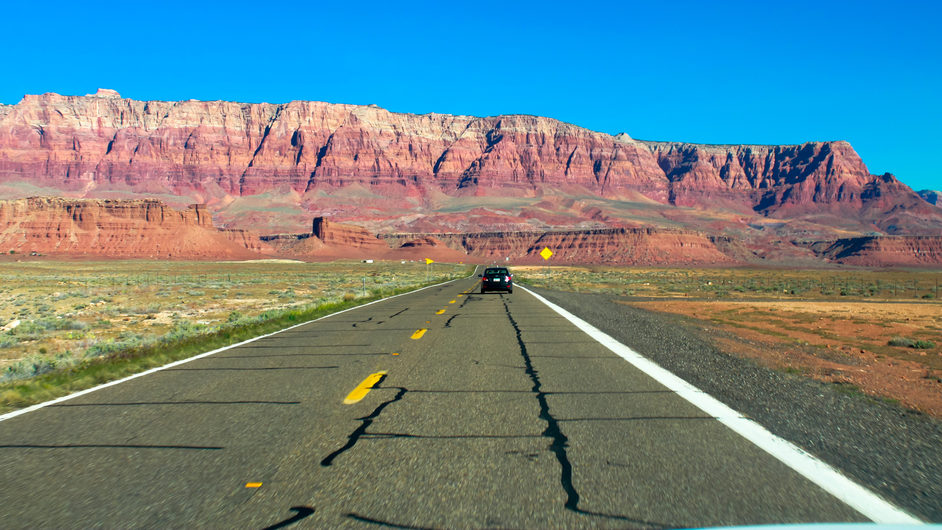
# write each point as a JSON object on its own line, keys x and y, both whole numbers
{"x": 835, "y": 342}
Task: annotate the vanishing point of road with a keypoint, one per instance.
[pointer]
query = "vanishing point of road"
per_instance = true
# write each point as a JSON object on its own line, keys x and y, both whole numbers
{"x": 439, "y": 408}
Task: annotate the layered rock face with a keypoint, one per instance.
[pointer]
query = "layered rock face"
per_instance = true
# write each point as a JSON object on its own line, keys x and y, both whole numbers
{"x": 782, "y": 181}
{"x": 118, "y": 228}
{"x": 150, "y": 229}
{"x": 903, "y": 251}
{"x": 330, "y": 240}
{"x": 622, "y": 246}
{"x": 207, "y": 148}
{"x": 349, "y": 236}
{"x": 208, "y": 152}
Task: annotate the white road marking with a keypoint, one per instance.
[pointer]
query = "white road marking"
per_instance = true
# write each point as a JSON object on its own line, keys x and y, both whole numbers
{"x": 829, "y": 479}
{"x": 74, "y": 395}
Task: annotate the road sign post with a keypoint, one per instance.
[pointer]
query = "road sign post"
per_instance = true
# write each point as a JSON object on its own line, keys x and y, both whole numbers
{"x": 545, "y": 254}
{"x": 428, "y": 263}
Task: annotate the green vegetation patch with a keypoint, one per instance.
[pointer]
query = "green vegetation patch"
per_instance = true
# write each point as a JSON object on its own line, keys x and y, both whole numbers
{"x": 912, "y": 343}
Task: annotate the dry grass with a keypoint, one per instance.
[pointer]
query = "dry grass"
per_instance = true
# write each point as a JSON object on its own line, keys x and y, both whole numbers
{"x": 58, "y": 314}
{"x": 741, "y": 283}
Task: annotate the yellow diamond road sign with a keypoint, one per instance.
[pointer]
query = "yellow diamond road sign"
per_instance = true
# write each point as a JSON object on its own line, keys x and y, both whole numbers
{"x": 429, "y": 261}
{"x": 546, "y": 253}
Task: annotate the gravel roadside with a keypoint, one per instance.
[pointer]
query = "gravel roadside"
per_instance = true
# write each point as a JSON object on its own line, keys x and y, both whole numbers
{"x": 891, "y": 450}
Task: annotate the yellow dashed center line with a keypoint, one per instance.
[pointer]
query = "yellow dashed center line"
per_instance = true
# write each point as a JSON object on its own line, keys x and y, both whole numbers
{"x": 453, "y": 301}
{"x": 418, "y": 333}
{"x": 253, "y": 484}
{"x": 363, "y": 388}
{"x": 440, "y": 311}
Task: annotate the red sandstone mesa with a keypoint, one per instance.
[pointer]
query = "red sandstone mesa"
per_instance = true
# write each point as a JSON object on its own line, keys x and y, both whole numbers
{"x": 265, "y": 165}
{"x": 208, "y": 151}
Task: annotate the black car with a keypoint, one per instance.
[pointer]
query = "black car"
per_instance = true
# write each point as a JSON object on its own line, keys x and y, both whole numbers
{"x": 497, "y": 279}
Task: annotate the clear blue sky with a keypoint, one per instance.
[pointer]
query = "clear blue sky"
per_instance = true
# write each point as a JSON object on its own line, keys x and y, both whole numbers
{"x": 869, "y": 72}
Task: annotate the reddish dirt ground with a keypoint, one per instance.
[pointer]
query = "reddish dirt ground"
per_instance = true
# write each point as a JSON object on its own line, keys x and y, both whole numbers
{"x": 844, "y": 343}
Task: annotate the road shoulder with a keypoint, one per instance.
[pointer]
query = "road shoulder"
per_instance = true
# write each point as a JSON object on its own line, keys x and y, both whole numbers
{"x": 893, "y": 451}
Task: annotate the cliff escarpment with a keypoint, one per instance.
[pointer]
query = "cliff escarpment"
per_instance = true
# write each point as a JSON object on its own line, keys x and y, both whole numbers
{"x": 622, "y": 246}
{"x": 246, "y": 160}
{"x": 143, "y": 228}
{"x": 103, "y": 140}
{"x": 899, "y": 251}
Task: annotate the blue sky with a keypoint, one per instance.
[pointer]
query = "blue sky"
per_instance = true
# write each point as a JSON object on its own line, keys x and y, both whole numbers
{"x": 710, "y": 72}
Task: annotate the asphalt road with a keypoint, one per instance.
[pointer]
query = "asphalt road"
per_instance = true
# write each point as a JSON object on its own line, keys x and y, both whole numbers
{"x": 501, "y": 414}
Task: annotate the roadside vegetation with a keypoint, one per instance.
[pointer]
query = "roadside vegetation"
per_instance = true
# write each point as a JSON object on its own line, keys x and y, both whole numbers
{"x": 66, "y": 326}
{"x": 796, "y": 284}
{"x": 876, "y": 332}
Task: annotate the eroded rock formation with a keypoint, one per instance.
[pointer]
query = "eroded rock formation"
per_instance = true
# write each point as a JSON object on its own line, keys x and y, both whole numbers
{"x": 150, "y": 229}
{"x": 623, "y": 246}
{"x": 894, "y": 251}
{"x": 118, "y": 228}
{"x": 349, "y": 236}
{"x": 212, "y": 151}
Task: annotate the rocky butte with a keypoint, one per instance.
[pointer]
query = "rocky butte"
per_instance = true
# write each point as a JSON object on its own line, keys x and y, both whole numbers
{"x": 274, "y": 167}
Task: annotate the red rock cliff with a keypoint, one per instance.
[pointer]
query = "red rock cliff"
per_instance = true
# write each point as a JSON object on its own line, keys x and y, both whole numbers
{"x": 623, "y": 246}
{"x": 783, "y": 181}
{"x": 900, "y": 251}
{"x": 117, "y": 228}
{"x": 196, "y": 147}
{"x": 209, "y": 150}
{"x": 344, "y": 235}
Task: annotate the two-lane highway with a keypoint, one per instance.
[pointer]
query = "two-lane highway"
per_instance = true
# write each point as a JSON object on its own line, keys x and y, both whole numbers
{"x": 439, "y": 408}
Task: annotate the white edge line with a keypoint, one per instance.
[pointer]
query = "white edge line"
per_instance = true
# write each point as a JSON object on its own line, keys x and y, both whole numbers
{"x": 38, "y": 406}
{"x": 828, "y": 478}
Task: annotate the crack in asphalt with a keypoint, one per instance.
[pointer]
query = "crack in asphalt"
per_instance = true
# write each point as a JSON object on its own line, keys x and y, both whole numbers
{"x": 365, "y": 321}
{"x": 380, "y": 522}
{"x": 559, "y": 442}
{"x": 301, "y": 513}
{"x": 366, "y": 421}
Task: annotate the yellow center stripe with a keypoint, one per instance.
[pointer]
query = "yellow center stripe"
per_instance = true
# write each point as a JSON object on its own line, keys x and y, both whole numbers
{"x": 440, "y": 311}
{"x": 418, "y": 333}
{"x": 253, "y": 484}
{"x": 363, "y": 388}
{"x": 453, "y": 301}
